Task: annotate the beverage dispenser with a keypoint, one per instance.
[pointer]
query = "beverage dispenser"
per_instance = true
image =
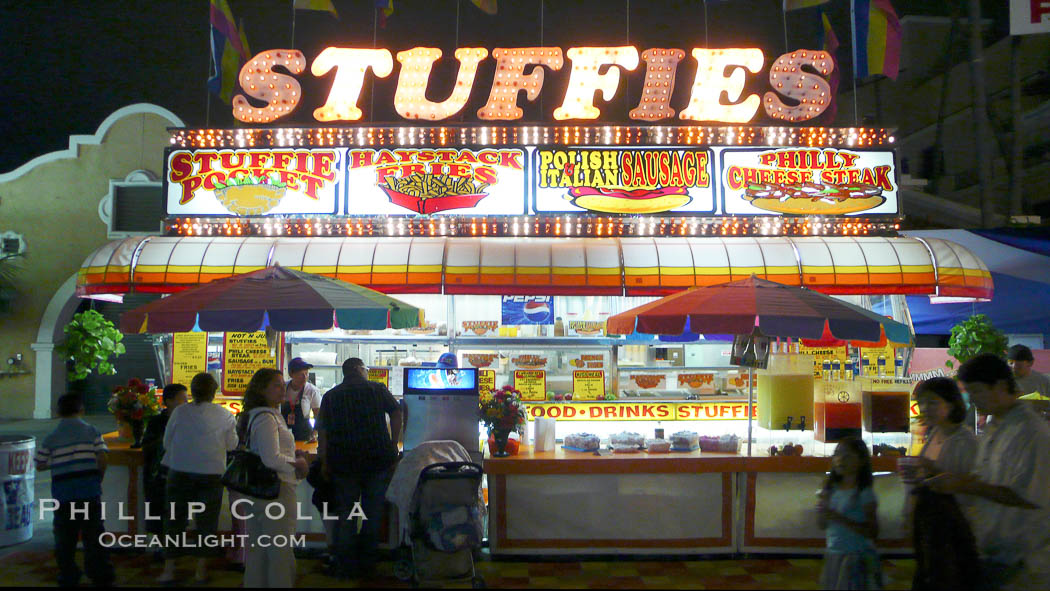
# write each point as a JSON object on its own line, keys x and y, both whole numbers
{"x": 837, "y": 408}
{"x": 887, "y": 404}
{"x": 785, "y": 393}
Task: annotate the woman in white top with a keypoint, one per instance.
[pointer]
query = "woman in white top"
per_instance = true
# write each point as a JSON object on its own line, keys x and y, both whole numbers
{"x": 270, "y": 438}
{"x": 196, "y": 440}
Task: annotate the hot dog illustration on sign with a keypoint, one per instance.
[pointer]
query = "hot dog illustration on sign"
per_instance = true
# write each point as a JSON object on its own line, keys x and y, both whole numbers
{"x": 622, "y": 180}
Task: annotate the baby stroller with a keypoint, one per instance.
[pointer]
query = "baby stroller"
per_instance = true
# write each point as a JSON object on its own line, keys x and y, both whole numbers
{"x": 445, "y": 525}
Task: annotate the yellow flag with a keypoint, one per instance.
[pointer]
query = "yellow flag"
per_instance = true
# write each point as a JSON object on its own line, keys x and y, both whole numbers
{"x": 324, "y": 5}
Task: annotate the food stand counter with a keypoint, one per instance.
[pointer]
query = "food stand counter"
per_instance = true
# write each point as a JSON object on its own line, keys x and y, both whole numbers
{"x": 561, "y": 501}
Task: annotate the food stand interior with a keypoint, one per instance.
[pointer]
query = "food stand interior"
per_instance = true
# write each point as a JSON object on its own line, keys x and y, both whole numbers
{"x": 732, "y": 495}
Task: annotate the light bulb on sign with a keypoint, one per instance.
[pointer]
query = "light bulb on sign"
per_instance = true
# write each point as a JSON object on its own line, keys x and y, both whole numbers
{"x": 710, "y": 82}
{"x": 584, "y": 79}
{"x": 410, "y": 99}
{"x": 812, "y": 91}
{"x": 259, "y": 81}
{"x": 656, "y": 91}
{"x": 351, "y": 66}
{"x": 510, "y": 79}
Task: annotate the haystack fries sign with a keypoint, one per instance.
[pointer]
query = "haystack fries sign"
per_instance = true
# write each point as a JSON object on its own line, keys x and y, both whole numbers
{"x": 623, "y": 180}
{"x": 642, "y": 411}
{"x": 808, "y": 181}
{"x": 253, "y": 182}
{"x": 432, "y": 181}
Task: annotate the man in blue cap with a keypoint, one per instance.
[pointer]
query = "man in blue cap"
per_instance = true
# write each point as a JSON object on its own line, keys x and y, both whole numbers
{"x": 301, "y": 397}
{"x": 448, "y": 361}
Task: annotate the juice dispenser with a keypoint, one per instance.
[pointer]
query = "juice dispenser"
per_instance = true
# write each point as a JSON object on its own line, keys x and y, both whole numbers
{"x": 887, "y": 403}
{"x": 837, "y": 409}
{"x": 785, "y": 389}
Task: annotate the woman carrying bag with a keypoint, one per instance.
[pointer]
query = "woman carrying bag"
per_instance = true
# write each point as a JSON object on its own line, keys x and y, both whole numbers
{"x": 268, "y": 437}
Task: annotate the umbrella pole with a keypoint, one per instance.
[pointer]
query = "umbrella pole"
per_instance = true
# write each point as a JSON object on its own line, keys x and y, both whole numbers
{"x": 750, "y": 406}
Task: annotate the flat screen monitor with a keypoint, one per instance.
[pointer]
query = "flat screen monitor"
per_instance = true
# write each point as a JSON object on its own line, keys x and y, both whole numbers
{"x": 431, "y": 380}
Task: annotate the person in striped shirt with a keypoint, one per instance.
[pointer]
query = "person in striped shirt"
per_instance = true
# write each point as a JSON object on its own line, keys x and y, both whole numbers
{"x": 76, "y": 455}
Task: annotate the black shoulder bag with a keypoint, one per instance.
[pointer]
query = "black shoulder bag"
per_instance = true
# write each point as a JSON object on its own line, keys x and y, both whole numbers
{"x": 247, "y": 474}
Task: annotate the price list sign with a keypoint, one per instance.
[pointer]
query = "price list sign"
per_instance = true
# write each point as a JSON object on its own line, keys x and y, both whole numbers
{"x": 588, "y": 384}
{"x": 379, "y": 375}
{"x": 189, "y": 356}
{"x": 242, "y": 354}
{"x": 532, "y": 383}
{"x": 486, "y": 381}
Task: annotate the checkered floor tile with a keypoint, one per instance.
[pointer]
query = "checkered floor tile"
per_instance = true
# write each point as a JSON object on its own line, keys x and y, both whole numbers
{"x": 37, "y": 568}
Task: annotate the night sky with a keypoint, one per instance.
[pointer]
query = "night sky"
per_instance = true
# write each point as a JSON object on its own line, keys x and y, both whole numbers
{"x": 69, "y": 64}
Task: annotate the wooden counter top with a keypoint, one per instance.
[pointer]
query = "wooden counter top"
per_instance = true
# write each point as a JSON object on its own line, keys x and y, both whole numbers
{"x": 121, "y": 452}
{"x": 562, "y": 461}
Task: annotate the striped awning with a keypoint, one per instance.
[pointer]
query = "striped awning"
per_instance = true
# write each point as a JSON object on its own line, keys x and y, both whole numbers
{"x": 541, "y": 266}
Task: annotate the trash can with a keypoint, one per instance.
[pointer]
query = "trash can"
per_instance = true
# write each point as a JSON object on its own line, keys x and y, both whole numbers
{"x": 17, "y": 473}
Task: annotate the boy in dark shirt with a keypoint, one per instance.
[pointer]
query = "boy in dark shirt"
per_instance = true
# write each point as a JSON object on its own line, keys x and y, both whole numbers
{"x": 76, "y": 455}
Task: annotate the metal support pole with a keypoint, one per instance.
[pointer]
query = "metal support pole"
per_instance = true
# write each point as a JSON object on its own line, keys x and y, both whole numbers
{"x": 750, "y": 405}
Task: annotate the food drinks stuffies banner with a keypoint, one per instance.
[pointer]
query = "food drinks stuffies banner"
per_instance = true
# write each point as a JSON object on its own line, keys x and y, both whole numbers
{"x": 531, "y": 180}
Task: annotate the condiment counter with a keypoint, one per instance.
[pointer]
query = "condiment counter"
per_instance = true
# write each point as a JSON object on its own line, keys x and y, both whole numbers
{"x": 568, "y": 502}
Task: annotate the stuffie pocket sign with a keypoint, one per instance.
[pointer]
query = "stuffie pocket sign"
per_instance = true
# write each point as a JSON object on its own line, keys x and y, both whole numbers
{"x": 808, "y": 181}
{"x": 253, "y": 182}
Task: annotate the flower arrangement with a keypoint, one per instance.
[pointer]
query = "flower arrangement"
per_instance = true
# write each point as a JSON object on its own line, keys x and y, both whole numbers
{"x": 503, "y": 410}
{"x": 134, "y": 402}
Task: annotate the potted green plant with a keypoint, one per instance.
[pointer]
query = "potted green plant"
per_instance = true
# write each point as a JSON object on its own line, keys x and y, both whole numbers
{"x": 91, "y": 343}
{"x": 975, "y": 336}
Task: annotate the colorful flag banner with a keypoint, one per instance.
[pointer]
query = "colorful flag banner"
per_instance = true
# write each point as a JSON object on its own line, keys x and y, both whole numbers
{"x": 386, "y": 8}
{"x": 319, "y": 5}
{"x": 877, "y": 39}
{"x": 800, "y": 4}
{"x": 229, "y": 49}
{"x": 489, "y": 6}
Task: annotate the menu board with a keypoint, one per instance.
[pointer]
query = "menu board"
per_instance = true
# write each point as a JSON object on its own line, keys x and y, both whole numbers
{"x": 617, "y": 180}
{"x": 242, "y": 354}
{"x": 486, "y": 381}
{"x": 426, "y": 181}
{"x": 588, "y": 384}
{"x": 807, "y": 181}
{"x": 189, "y": 356}
{"x": 253, "y": 182}
{"x": 821, "y": 353}
{"x": 532, "y": 383}
{"x": 872, "y": 354}
{"x": 379, "y": 375}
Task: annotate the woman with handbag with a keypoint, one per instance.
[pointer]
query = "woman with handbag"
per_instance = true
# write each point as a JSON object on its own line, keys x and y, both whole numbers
{"x": 268, "y": 437}
{"x": 196, "y": 440}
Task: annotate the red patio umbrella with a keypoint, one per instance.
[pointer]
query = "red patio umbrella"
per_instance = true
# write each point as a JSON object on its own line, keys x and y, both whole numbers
{"x": 776, "y": 310}
{"x": 277, "y": 298}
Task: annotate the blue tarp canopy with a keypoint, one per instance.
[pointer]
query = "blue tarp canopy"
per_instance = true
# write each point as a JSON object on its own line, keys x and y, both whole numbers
{"x": 1020, "y": 272}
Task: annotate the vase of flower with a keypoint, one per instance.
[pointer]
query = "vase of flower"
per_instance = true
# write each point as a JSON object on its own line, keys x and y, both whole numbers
{"x": 124, "y": 431}
{"x": 137, "y": 428}
{"x": 132, "y": 404}
{"x": 500, "y": 436}
{"x": 502, "y": 411}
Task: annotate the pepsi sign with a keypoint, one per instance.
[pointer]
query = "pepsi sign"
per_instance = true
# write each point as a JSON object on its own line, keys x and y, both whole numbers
{"x": 521, "y": 310}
